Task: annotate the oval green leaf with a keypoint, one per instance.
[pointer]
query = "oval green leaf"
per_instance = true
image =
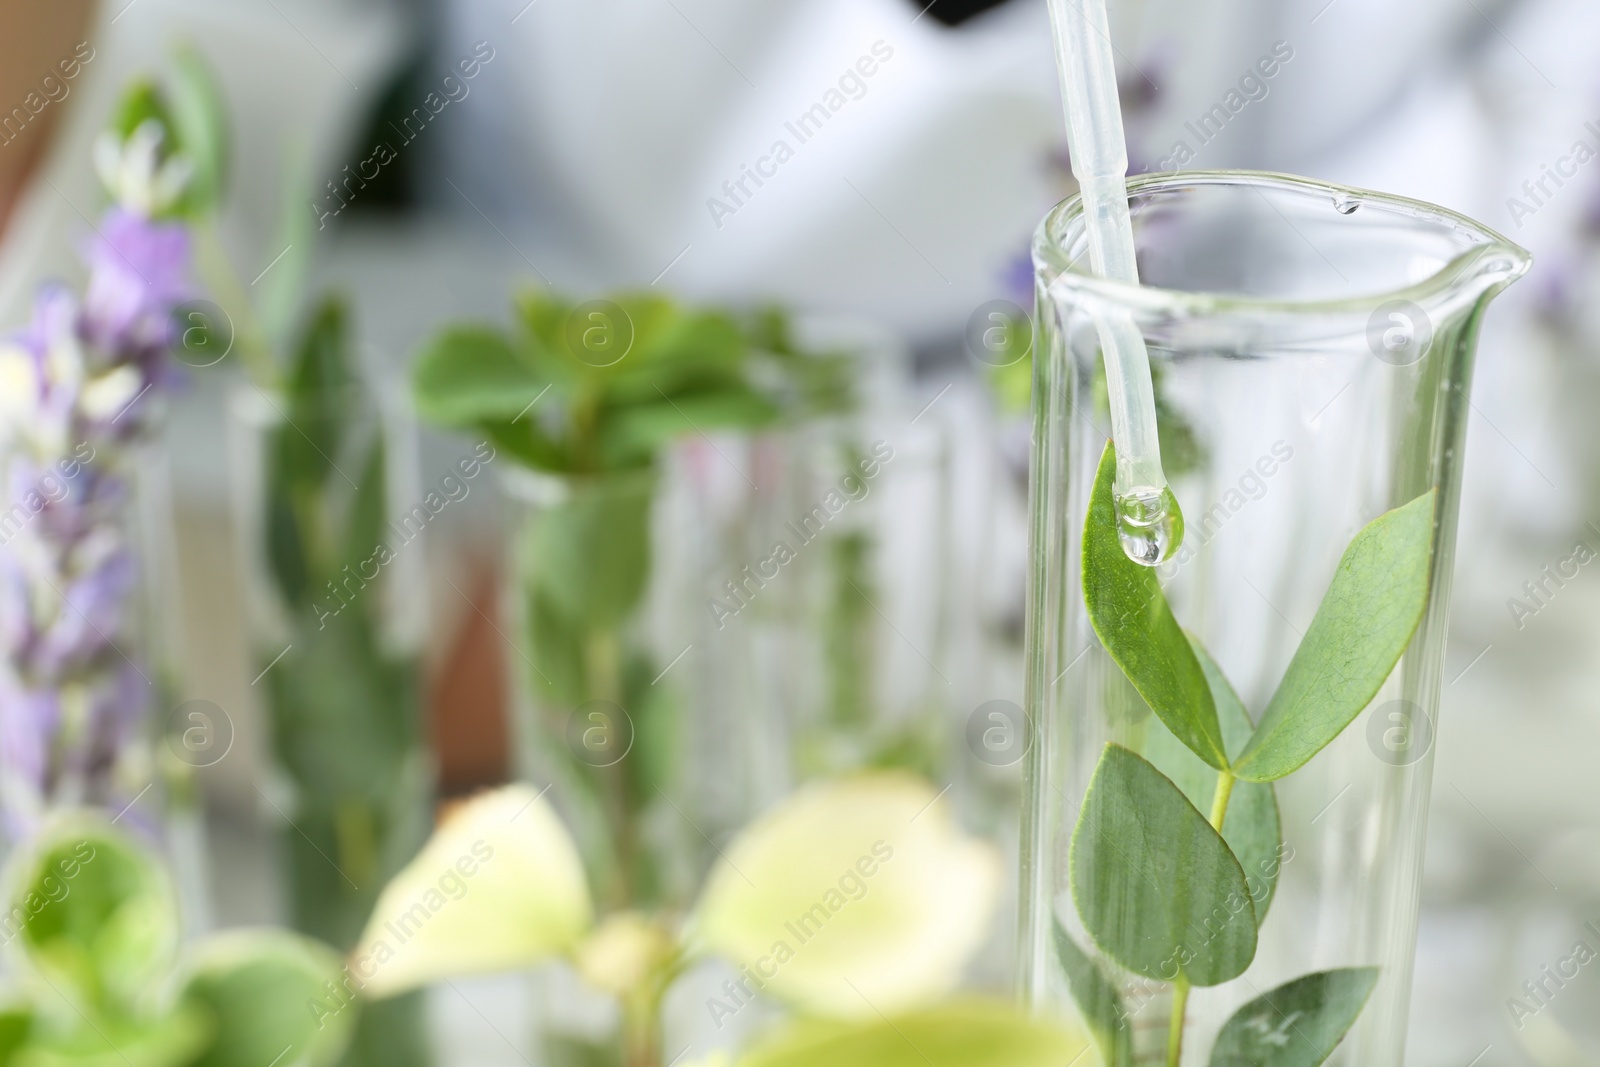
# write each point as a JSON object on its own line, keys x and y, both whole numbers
{"x": 1131, "y": 616}
{"x": 1297, "y": 1024}
{"x": 97, "y": 914}
{"x": 1252, "y": 828}
{"x": 472, "y": 374}
{"x": 1367, "y": 618}
{"x": 590, "y": 554}
{"x": 1158, "y": 889}
{"x": 15, "y": 1023}
{"x": 200, "y": 119}
{"x": 168, "y": 1039}
{"x": 266, "y": 993}
{"x": 1098, "y": 1001}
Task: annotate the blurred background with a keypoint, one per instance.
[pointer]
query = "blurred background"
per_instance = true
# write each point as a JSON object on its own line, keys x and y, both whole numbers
{"x": 617, "y": 146}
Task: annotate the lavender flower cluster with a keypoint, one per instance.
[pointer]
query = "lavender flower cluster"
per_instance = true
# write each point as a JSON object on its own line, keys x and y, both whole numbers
{"x": 79, "y": 388}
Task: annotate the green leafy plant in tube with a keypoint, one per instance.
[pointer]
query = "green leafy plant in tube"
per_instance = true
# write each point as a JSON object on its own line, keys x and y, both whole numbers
{"x": 345, "y": 705}
{"x": 342, "y": 706}
{"x": 1175, "y": 855}
{"x": 98, "y": 978}
{"x": 590, "y": 395}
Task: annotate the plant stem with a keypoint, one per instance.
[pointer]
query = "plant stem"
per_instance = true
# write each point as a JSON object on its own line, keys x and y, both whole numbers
{"x": 641, "y": 1013}
{"x": 641, "y": 1029}
{"x": 603, "y": 665}
{"x": 1180, "y": 1005}
{"x": 1219, "y": 800}
{"x": 1180, "y": 988}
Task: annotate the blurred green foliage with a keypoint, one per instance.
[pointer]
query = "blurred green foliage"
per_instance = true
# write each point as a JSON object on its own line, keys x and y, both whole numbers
{"x": 344, "y": 705}
{"x": 92, "y": 923}
{"x": 187, "y": 105}
{"x": 592, "y": 393}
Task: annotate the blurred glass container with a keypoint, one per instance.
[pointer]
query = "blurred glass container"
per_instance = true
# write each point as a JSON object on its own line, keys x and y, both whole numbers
{"x": 843, "y": 569}
{"x": 1315, "y": 345}
{"x": 596, "y": 717}
{"x": 601, "y": 714}
{"x": 179, "y": 737}
{"x": 714, "y": 519}
{"x": 327, "y": 502}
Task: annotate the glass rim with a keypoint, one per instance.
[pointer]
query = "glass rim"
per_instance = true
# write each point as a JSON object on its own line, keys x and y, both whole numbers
{"x": 1490, "y": 263}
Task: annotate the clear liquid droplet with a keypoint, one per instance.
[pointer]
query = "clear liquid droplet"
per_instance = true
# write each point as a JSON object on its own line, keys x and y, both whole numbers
{"x": 1149, "y": 525}
{"x": 1346, "y": 205}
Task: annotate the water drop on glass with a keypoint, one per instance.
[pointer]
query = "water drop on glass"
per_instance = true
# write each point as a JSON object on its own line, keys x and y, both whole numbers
{"x": 1149, "y": 525}
{"x": 1345, "y": 205}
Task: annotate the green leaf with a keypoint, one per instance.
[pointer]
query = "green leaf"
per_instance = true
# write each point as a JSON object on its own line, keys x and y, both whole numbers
{"x": 200, "y": 120}
{"x": 285, "y": 549}
{"x": 1135, "y": 624}
{"x": 1157, "y": 888}
{"x": 1252, "y": 828}
{"x": 472, "y": 374}
{"x": 101, "y": 918}
{"x": 319, "y": 390}
{"x": 590, "y": 554}
{"x": 170, "y": 1039}
{"x": 344, "y": 725}
{"x": 267, "y": 993}
{"x": 140, "y": 101}
{"x": 557, "y": 648}
{"x": 368, "y": 513}
{"x": 677, "y": 352}
{"x": 663, "y": 342}
{"x": 283, "y": 290}
{"x": 1367, "y": 618}
{"x": 1297, "y": 1024}
{"x": 1097, "y": 1000}
{"x": 527, "y": 443}
{"x": 961, "y": 1033}
{"x": 15, "y": 1023}
{"x": 641, "y": 430}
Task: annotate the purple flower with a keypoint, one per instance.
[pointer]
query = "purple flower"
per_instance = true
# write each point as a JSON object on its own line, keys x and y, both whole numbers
{"x": 29, "y": 718}
{"x": 91, "y": 613}
{"x": 138, "y": 274}
{"x": 75, "y": 390}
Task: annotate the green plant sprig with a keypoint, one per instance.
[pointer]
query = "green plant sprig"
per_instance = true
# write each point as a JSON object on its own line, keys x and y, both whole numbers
{"x": 92, "y": 924}
{"x": 576, "y": 391}
{"x": 1176, "y": 851}
{"x": 594, "y": 394}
